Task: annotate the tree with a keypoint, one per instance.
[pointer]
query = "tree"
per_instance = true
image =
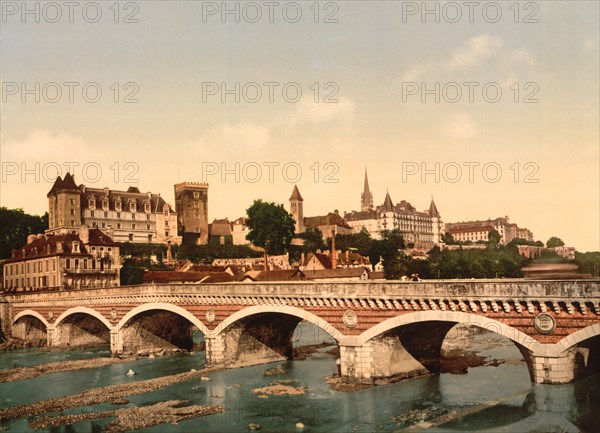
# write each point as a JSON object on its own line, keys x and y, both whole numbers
{"x": 447, "y": 238}
{"x": 494, "y": 237}
{"x": 554, "y": 242}
{"x": 16, "y": 226}
{"x": 313, "y": 239}
{"x": 271, "y": 227}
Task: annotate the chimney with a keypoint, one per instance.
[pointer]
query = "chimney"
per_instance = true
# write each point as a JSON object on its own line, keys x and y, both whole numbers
{"x": 31, "y": 238}
{"x": 84, "y": 234}
{"x": 333, "y": 252}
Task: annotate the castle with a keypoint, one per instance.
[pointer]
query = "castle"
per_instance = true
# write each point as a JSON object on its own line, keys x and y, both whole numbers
{"x": 421, "y": 230}
{"x": 131, "y": 215}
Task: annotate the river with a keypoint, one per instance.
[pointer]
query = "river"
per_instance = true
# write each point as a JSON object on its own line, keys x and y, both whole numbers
{"x": 489, "y": 398}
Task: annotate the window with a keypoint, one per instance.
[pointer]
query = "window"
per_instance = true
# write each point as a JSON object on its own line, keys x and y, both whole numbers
{"x": 92, "y": 213}
{"x": 130, "y": 237}
{"x": 94, "y": 224}
{"x": 132, "y": 216}
{"x": 105, "y": 214}
{"x": 148, "y": 217}
{"x": 118, "y": 225}
{"x": 75, "y": 247}
{"x": 132, "y": 207}
{"x": 72, "y": 211}
{"x": 196, "y": 194}
{"x": 149, "y": 238}
{"x": 103, "y": 225}
{"x": 72, "y": 222}
{"x": 39, "y": 266}
{"x": 132, "y": 226}
{"x": 72, "y": 201}
{"x": 118, "y": 205}
{"x": 76, "y": 263}
{"x": 147, "y": 208}
{"x": 68, "y": 264}
{"x": 93, "y": 264}
{"x": 92, "y": 203}
{"x": 147, "y": 226}
{"x": 105, "y": 204}
{"x": 118, "y": 214}
{"x": 84, "y": 263}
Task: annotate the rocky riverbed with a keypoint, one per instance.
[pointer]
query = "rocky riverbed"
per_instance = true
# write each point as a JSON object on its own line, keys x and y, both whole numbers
{"x": 134, "y": 418}
{"x": 98, "y": 395}
{"x": 22, "y": 373}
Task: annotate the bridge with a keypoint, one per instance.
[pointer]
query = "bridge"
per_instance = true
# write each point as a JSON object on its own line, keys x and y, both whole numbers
{"x": 386, "y": 331}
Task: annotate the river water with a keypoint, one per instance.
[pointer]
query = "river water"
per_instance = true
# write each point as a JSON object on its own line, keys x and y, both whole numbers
{"x": 490, "y": 399}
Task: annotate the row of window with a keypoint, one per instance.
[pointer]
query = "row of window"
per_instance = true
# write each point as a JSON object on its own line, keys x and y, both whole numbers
{"x": 30, "y": 267}
{"x": 31, "y": 282}
{"x": 119, "y": 207}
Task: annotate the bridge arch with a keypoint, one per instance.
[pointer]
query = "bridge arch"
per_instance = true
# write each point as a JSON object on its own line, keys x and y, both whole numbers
{"x": 31, "y": 313}
{"x": 577, "y": 337}
{"x": 279, "y": 309}
{"x": 83, "y": 310}
{"x": 165, "y": 306}
{"x": 455, "y": 317}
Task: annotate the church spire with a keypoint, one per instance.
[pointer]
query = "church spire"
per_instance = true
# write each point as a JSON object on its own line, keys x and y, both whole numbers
{"x": 433, "y": 212}
{"x": 366, "y": 198}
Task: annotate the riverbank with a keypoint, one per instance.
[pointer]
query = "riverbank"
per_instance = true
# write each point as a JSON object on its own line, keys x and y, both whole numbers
{"x": 99, "y": 395}
{"x": 22, "y": 373}
{"x": 134, "y": 418}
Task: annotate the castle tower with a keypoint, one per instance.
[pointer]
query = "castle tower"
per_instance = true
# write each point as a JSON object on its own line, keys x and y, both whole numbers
{"x": 436, "y": 222}
{"x": 366, "y": 198}
{"x": 297, "y": 209}
{"x": 64, "y": 204}
{"x": 191, "y": 206}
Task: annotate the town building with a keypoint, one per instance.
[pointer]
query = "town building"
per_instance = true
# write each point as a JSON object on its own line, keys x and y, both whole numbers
{"x": 191, "y": 205}
{"x": 421, "y": 229}
{"x": 331, "y": 223}
{"x": 125, "y": 216}
{"x": 239, "y": 231}
{"x": 478, "y": 230}
{"x": 83, "y": 258}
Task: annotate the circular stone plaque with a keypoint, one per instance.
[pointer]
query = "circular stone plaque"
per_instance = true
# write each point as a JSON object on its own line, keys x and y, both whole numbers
{"x": 210, "y": 315}
{"x": 544, "y": 323}
{"x": 350, "y": 319}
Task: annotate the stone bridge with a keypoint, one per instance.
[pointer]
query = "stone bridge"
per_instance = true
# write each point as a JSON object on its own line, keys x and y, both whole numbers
{"x": 386, "y": 331}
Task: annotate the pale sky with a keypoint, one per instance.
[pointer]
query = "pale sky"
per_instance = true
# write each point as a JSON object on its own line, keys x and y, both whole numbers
{"x": 376, "y": 63}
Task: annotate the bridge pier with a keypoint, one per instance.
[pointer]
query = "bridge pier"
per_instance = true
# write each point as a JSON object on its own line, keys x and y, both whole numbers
{"x": 573, "y": 364}
{"x": 402, "y": 353}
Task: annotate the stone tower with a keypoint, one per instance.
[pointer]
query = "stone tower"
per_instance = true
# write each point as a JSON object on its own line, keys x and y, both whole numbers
{"x": 436, "y": 222}
{"x": 191, "y": 206}
{"x": 297, "y": 209}
{"x": 64, "y": 204}
{"x": 366, "y": 198}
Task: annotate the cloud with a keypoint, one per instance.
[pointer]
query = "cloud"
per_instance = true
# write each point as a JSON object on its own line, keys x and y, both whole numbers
{"x": 250, "y": 135}
{"x": 309, "y": 111}
{"x": 460, "y": 125}
{"x": 414, "y": 73}
{"x": 41, "y": 145}
{"x": 474, "y": 51}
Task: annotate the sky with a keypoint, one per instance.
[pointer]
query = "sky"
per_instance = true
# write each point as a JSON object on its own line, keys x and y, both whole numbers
{"x": 491, "y": 109}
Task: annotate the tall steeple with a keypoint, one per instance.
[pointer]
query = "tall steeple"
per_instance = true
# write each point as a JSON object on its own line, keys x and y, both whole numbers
{"x": 366, "y": 198}
{"x": 297, "y": 209}
{"x": 433, "y": 212}
{"x": 388, "y": 205}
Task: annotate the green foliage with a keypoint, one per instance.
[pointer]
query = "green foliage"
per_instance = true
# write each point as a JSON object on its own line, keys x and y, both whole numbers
{"x": 448, "y": 239}
{"x": 271, "y": 226}
{"x": 589, "y": 263}
{"x": 131, "y": 273}
{"x": 492, "y": 262}
{"x": 494, "y": 237}
{"x": 195, "y": 253}
{"x": 16, "y": 226}
{"x": 313, "y": 240}
{"x": 554, "y": 242}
